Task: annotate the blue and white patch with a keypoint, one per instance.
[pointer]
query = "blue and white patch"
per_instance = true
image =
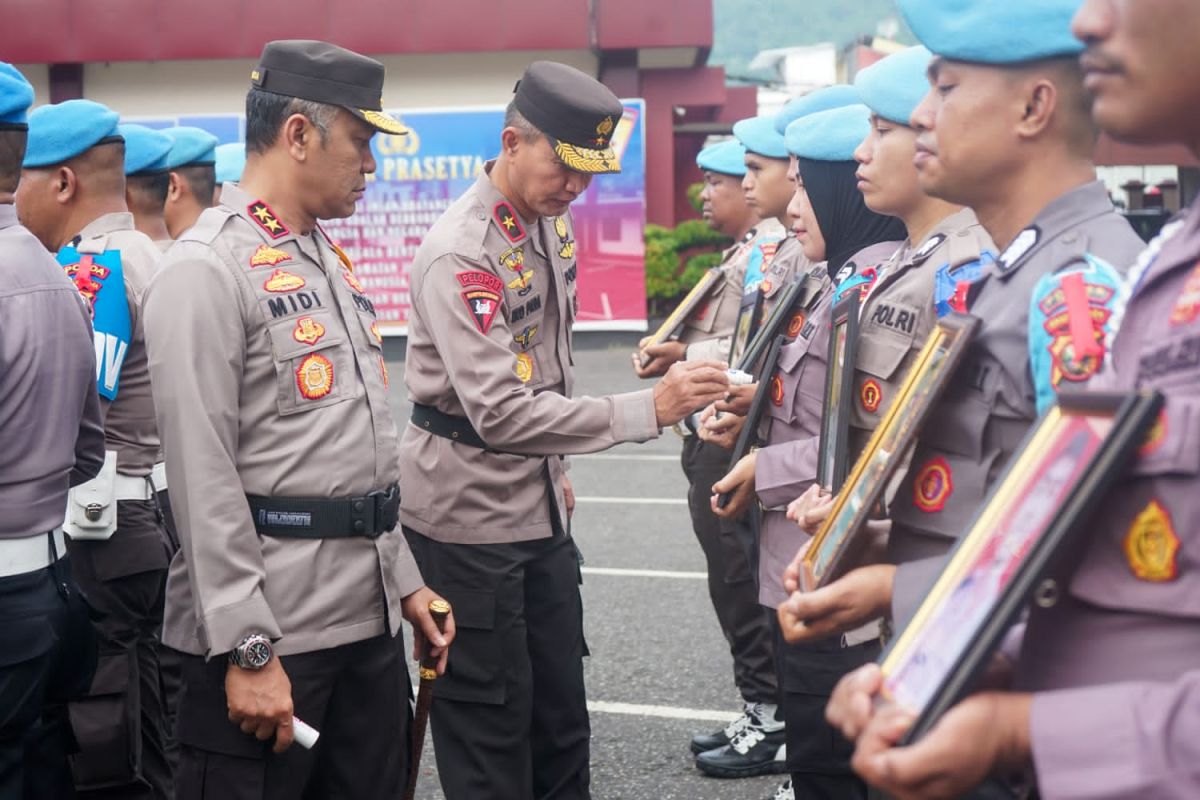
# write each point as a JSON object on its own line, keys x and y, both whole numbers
{"x": 952, "y": 284}
{"x": 101, "y": 281}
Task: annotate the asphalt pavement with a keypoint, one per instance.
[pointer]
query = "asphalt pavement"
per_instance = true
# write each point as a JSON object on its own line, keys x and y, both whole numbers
{"x": 660, "y": 670}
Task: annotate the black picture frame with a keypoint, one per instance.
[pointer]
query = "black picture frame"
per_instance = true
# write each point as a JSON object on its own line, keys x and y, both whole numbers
{"x": 838, "y": 544}
{"x": 748, "y": 438}
{"x": 839, "y": 385}
{"x": 1029, "y": 525}
{"x": 673, "y": 324}
{"x": 748, "y": 321}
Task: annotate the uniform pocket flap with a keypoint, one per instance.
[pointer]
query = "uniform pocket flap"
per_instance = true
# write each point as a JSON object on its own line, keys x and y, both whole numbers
{"x": 307, "y": 333}
{"x": 793, "y": 352}
{"x": 1172, "y": 447}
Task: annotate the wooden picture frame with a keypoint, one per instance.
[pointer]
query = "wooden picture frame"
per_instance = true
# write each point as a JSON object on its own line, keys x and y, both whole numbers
{"x": 838, "y": 544}
{"x": 839, "y": 386}
{"x": 1029, "y": 522}
{"x": 673, "y": 324}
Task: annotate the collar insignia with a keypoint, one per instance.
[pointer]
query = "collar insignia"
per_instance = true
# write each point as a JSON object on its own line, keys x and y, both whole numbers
{"x": 508, "y": 221}
{"x": 265, "y": 218}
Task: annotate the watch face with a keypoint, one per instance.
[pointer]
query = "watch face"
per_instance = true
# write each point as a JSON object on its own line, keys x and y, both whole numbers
{"x": 257, "y": 654}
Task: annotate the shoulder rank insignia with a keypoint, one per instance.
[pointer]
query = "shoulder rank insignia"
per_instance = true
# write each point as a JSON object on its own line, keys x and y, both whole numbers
{"x": 267, "y": 256}
{"x": 524, "y": 367}
{"x": 353, "y": 282}
{"x": 283, "y": 281}
{"x": 308, "y": 331}
{"x": 1151, "y": 546}
{"x": 262, "y": 214}
{"x": 508, "y": 221}
{"x": 926, "y": 249}
{"x": 314, "y": 377}
{"x": 933, "y": 486}
{"x": 525, "y": 337}
{"x": 481, "y": 293}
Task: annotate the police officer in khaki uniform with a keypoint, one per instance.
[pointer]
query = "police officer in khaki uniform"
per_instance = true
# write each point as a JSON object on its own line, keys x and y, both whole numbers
{"x": 486, "y": 500}
{"x": 271, "y": 391}
{"x": 72, "y": 197}
{"x": 147, "y": 180}
{"x": 53, "y": 438}
{"x": 1030, "y": 178}
{"x": 1108, "y": 693}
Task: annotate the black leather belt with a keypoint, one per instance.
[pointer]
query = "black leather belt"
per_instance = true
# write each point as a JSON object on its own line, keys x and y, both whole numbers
{"x": 456, "y": 429}
{"x": 326, "y": 518}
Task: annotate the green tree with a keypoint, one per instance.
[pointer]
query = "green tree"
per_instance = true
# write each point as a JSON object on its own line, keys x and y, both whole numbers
{"x": 676, "y": 258}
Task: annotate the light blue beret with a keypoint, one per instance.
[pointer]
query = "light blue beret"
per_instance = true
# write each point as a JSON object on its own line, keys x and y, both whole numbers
{"x": 59, "y": 132}
{"x": 831, "y": 135}
{"x": 821, "y": 100}
{"x": 895, "y": 86}
{"x": 231, "y": 160}
{"x": 758, "y": 135}
{"x": 190, "y": 147}
{"x": 16, "y": 96}
{"x": 727, "y": 157}
{"x": 994, "y": 31}
{"x": 145, "y": 149}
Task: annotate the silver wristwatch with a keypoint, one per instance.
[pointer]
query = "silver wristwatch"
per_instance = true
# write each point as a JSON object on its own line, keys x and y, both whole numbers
{"x": 254, "y": 652}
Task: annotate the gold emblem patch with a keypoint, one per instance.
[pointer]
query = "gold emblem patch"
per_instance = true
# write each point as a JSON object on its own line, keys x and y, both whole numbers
{"x": 560, "y": 227}
{"x": 567, "y": 250}
{"x": 308, "y": 331}
{"x": 314, "y": 377}
{"x": 513, "y": 259}
{"x": 283, "y": 281}
{"x": 521, "y": 281}
{"x": 524, "y": 367}
{"x": 267, "y": 256}
{"x": 353, "y": 282}
{"x": 1151, "y": 545}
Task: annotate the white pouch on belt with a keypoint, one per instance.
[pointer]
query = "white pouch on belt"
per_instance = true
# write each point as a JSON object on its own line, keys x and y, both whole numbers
{"x": 92, "y": 506}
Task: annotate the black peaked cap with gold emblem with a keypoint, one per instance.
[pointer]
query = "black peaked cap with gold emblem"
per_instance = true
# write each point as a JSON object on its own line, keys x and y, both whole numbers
{"x": 325, "y": 73}
{"x": 575, "y": 110}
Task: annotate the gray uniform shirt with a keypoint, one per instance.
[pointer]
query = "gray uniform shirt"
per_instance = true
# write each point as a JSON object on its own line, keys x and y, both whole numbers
{"x": 49, "y": 409}
{"x": 269, "y": 380}
{"x": 489, "y": 339}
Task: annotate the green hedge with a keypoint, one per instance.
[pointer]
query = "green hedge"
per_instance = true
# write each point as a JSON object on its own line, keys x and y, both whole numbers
{"x": 677, "y": 257}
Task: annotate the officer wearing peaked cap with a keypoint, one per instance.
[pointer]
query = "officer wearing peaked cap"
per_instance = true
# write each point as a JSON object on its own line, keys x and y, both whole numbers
{"x": 191, "y": 164}
{"x": 272, "y": 396}
{"x": 53, "y": 438}
{"x": 486, "y": 501}
{"x": 72, "y": 197}
{"x": 147, "y": 180}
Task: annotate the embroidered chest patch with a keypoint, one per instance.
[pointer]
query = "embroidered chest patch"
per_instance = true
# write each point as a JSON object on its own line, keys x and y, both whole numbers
{"x": 308, "y": 331}
{"x": 933, "y": 486}
{"x": 283, "y": 281}
{"x": 314, "y": 377}
{"x": 267, "y": 256}
{"x": 481, "y": 293}
{"x": 870, "y": 395}
{"x": 1151, "y": 545}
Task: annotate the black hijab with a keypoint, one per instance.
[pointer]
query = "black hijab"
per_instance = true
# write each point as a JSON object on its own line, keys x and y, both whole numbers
{"x": 846, "y": 223}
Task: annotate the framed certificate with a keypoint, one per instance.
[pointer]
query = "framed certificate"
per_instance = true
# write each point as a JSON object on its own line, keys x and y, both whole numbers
{"x": 787, "y": 317}
{"x": 838, "y": 543}
{"x": 1034, "y": 511}
{"x": 839, "y": 385}
{"x": 748, "y": 438}
{"x": 673, "y": 324}
{"x": 749, "y": 318}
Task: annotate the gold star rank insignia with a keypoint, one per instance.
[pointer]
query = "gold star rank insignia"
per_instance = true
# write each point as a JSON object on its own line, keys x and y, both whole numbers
{"x": 262, "y": 214}
{"x": 509, "y": 224}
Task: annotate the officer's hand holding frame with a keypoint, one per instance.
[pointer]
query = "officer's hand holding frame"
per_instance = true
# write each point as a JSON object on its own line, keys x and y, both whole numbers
{"x": 1028, "y": 525}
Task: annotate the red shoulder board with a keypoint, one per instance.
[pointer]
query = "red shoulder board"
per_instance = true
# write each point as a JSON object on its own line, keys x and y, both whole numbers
{"x": 265, "y": 218}
{"x": 508, "y": 221}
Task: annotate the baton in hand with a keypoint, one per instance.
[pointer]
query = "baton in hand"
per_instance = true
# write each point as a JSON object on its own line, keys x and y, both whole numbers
{"x": 439, "y": 610}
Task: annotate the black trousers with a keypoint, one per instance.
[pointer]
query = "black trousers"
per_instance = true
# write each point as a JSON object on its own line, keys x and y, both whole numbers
{"x": 170, "y": 664}
{"x": 818, "y": 756}
{"x": 732, "y": 584}
{"x": 356, "y": 695}
{"x": 509, "y": 717}
{"x": 47, "y": 657}
{"x": 121, "y": 725}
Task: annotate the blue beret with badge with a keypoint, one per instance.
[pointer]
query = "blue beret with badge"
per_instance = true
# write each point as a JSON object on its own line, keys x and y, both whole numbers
{"x": 231, "y": 160}
{"x": 60, "y": 132}
{"x": 16, "y": 96}
{"x": 994, "y": 31}
{"x": 191, "y": 147}
{"x": 893, "y": 87}
{"x": 145, "y": 149}
{"x": 758, "y": 135}
{"x": 727, "y": 157}
{"x": 831, "y": 135}
{"x": 821, "y": 100}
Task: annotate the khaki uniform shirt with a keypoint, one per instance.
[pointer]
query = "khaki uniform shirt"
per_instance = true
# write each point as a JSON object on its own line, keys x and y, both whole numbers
{"x": 270, "y": 380}
{"x": 708, "y": 333}
{"x": 489, "y": 339}
{"x": 129, "y": 424}
{"x": 50, "y": 420}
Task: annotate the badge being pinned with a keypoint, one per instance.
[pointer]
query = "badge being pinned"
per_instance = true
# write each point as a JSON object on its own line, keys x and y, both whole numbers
{"x": 481, "y": 293}
{"x": 314, "y": 377}
{"x": 524, "y": 367}
{"x": 933, "y": 486}
{"x": 265, "y": 218}
{"x": 1151, "y": 546}
{"x": 283, "y": 281}
{"x": 507, "y": 219}
{"x": 267, "y": 256}
{"x": 308, "y": 331}
{"x": 870, "y": 395}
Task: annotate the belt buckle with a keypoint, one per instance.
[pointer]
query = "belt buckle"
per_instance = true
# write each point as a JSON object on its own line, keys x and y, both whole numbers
{"x": 387, "y": 510}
